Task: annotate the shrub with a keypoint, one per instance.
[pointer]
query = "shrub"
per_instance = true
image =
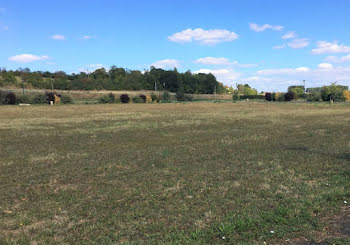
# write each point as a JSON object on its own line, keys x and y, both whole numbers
{"x": 180, "y": 96}
{"x": 279, "y": 96}
{"x": 289, "y": 96}
{"x": 148, "y": 99}
{"x": 253, "y": 97}
{"x": 314, "y": 96}
{"x": 235, "y": 95}
{"x": 137, "y": 99}
{"x": 166, "y": 96}
{"x": 50, "y": 96}
{"x": 143, "y": 98}
{"x": 154, "y": 98}
{"x": 110, "y": 98}
{"x": 268, "y": 96}
{"x": 10, "y": 98}
{"x": 188, "y": 97}
{"x": 40, "y": 99}
{"x": 333, "y": 92}
{"x": 2, "y": 97}
{"x": 124, "y": 98}
{"x": 66, "y": 99}
{"x": 57, "y": 99}
{"x": 346, "y": 95}
{"x": 24, "y": 99}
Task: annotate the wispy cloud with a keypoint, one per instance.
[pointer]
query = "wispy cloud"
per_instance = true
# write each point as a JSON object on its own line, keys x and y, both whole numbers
{"x": 257, "y": 28}
{"x": 221, "y": 61}
{"x": 27, "y": 58}
{"x": 279, "y": 46}
{"x": 336, "y": 59}
{"x": 289, "y": 35}
{"x": 166, "y": 63}
{"x": 87, "y": 37}
{"x": 324, "y": 47}
{"x": 299, "y": 43}
{"x": 207, "y": 37}
{"x": 58, "y": 37}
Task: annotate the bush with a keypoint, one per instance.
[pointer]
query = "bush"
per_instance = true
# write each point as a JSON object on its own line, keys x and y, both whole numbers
{"x": 346, "y": 95}
{"x": 180, "y": 96}
{"x": 66, "y": 99}
{"x": 235, "y": 95}
{"x": 279, "y": 96}
{"x": 110, "y": 98}
{"x": 124, "y": 98}
{"x": 314, "y": 96}
{"x": 2, "y": 97}
{"x": 289, "y": 96}
{"x": 253, "y": 97}
{"x": 50, "y": 96}
{"x": 166, "y": 96}
{"x": 24, "y": 99}
{"x": 137, "y": 99}
{"x": 268, "y": 96}
{"x": 154, "y": 98}
{"x": 10, "y": 99}
{"x": 143, "y": 98}
{"x": 40, "y": 99}
{"x": 188, "y": 97}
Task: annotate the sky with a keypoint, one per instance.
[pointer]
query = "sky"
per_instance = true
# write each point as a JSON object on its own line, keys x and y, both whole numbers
{"x": 269, "y": 44}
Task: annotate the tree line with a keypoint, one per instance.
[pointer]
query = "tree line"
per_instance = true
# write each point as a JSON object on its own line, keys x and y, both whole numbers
{"x": 115, "y": 78}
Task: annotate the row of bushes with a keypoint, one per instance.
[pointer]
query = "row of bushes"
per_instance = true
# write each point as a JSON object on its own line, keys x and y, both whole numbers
{"x": 10, "y": 98}
{"x": 153, "y": 98}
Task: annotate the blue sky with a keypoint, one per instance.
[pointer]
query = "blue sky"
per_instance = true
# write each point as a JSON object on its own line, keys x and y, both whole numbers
{"x": 268, "y": 44}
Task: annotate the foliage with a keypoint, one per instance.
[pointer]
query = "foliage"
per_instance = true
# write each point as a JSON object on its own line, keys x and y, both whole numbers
{"x": 279, "y": 96}
{"x": 10, "y": 98}
{"x": 253, "y": 97}
{"x": 24, "y": 99}
{"x": 314, "y": 96}
{"x": 57, "y": 99}
{"x": 298, "y": 91}
{"x": 333, "y": 92}
{"x": 143, "y": 97}
{"x": 137, "y": 99}
{"x": 117, "y": 79}
{"x": 180, "y": 96}
{"x": 124, "y": 98}
{"x": 235, "y": 95}
{"x": 66, "y": 99}
{"x": 154, "y": 98}
{"x": 50, "y": 96}
{"x": 148, "y": 99}
{"x": 166, "y": 96}
{"x": 2, "y": 97}
{"x": 346, "y": 95}
{"x": 289, "y": 96}
{"x": 40, "y": 99}
{"x": 246, "y": 90}
{"x": 109, "y": 98}
{"x": 268, "y": 97}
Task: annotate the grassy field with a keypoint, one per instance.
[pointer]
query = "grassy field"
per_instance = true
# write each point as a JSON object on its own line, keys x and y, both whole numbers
{"x": 197, "y": 173}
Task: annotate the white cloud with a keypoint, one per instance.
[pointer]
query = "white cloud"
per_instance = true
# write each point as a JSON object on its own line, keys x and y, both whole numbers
{"x": 227, "y": 76}
{"x": 299, "y": 43}
{"x": 87, "y": 37}
{"x": 213, "y": 61}
{"x": 336, "y": 59}
{"x": 289, "y": 35}
{"x": 58, "y": 37}
{"x": 90, "y": 68}
{"x": 207, "y": 37}
{"x": 26, "y": 58}
{"x": 324, "y": 47}
{"x": 279, "y": 46}
{"x": 221, "y": 61}
{"x": 257, "y": 28}
{"x": 325, "y": 66}
{"x": 166, "y": 63}
{"x": 283, "y": 71}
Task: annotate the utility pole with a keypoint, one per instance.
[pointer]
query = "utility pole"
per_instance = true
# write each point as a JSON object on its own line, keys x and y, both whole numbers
{"x": 304, "y": 90}
{"x": 51, "y": 83}
{"x": 155, "y": 86}
{"x": 22, "y": 85}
